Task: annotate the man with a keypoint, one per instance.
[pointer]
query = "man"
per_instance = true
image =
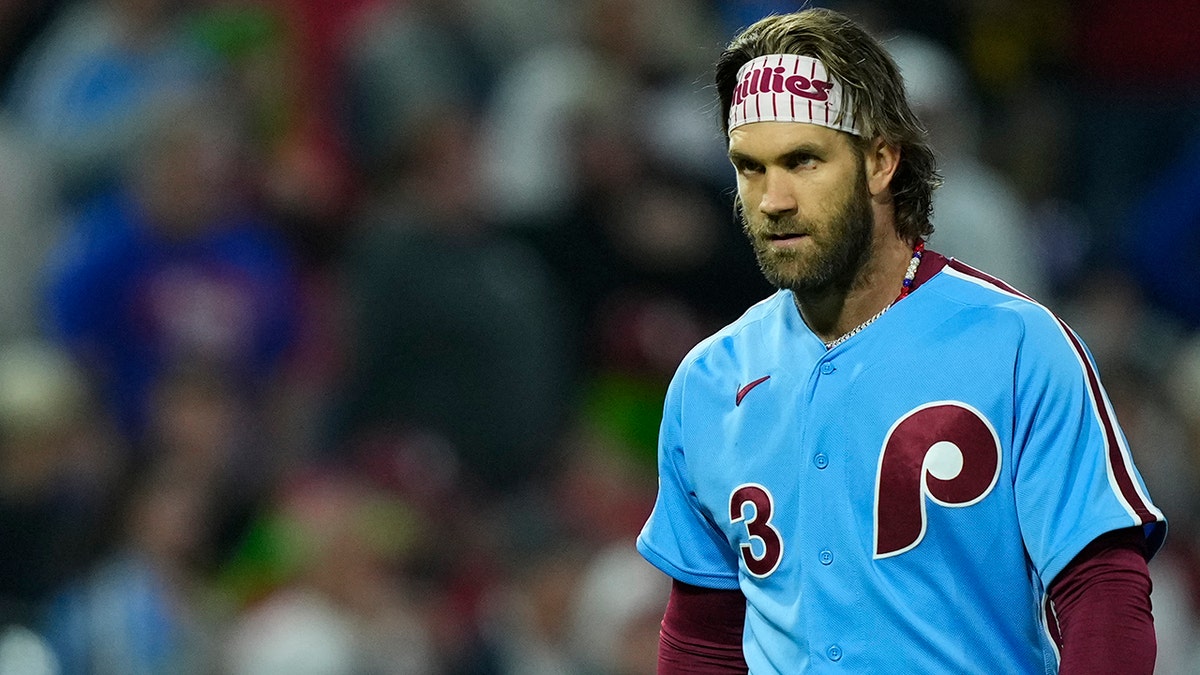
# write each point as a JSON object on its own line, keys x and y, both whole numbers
{"x": 896, "y": 463}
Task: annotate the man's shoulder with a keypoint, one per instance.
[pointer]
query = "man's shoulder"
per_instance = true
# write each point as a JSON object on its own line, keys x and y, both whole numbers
{"x": 982, "y": 299}
{"x": 964, "y": 284}
{"x": 744, "y": 334}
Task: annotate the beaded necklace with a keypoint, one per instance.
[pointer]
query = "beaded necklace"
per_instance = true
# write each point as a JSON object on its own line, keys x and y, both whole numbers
{"x": 905, "y": 289}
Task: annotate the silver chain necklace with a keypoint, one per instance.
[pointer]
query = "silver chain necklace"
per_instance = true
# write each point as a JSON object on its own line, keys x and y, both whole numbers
{"x": 855, "y": 331}
{"x": 909, "y": 275}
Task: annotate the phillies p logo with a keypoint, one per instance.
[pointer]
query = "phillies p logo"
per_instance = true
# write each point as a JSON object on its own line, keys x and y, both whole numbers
{"x": 945, "y": 452}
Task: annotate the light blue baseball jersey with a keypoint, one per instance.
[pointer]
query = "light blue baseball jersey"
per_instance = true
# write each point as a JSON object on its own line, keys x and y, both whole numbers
{"x": 901, "y": 502}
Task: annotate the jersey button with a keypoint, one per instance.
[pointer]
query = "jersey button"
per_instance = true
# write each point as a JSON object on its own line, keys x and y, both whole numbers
{"x": 821, "y": 460}
{"x": 826, "y": 557}
{"x": 826, "y": 368}
{"x": 834, "y": 652}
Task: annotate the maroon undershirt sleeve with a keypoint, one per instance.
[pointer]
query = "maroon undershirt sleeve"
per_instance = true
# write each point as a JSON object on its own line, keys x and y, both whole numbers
{"x": 702, "y": 632}
{"x": 1102, "y": 603}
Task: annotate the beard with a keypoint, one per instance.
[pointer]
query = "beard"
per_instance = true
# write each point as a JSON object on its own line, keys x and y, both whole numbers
{"x": 840, "y": 245}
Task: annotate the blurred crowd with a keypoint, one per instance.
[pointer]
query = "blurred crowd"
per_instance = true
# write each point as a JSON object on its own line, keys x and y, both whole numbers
{"x": 334, "y": 333}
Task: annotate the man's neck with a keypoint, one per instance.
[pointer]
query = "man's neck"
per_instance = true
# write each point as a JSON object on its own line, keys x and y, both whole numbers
{"x": 834, "y": 312}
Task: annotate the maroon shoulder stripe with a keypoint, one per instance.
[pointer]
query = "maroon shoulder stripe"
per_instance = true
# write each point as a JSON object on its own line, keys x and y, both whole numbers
{"x": 1124, "y": 480}
{"x": 1002, "y": 285}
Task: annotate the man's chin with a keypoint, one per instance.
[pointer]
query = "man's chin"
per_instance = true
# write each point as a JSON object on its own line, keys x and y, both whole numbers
{"x": 789, "y": 277}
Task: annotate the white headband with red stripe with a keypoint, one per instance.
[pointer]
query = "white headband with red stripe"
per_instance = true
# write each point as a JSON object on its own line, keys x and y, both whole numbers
{"x": 789, "y": 88}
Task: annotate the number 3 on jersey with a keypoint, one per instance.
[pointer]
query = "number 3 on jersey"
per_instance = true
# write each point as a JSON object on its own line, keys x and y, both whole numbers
{"x": 764, "y": 549}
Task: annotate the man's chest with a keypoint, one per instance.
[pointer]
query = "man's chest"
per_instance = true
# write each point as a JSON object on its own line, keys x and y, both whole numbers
{"x": 865, "y": 457}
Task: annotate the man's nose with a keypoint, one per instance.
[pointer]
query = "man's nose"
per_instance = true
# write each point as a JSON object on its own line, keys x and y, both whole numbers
{"x": 778, "y": 198}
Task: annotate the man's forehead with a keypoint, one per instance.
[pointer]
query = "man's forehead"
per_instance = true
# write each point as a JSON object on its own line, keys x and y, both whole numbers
{"x": 767, "y": 139}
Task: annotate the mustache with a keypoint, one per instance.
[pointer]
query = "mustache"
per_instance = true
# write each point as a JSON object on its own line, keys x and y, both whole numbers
{"x": 776, "y": 228}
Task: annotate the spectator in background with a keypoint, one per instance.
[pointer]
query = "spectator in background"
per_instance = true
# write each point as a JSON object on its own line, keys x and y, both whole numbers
{"x": 175, "y": 265}
{"x": 401, "y": 62}
{"x": 201, "y": 424}
{"x": 531, "y": 174}
{"x": 82, "y": 87}
{"x": 59, "y": 470}
{"x": 330, "y": 592}
{"x": 456, "y": 328}
{"x": 142, "y": 608}
{"x": 286, "y": 61}
{"x": 284, "y": 58}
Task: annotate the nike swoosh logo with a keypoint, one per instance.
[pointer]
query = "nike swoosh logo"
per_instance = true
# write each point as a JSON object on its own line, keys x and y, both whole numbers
{"x": 746, "y": 389}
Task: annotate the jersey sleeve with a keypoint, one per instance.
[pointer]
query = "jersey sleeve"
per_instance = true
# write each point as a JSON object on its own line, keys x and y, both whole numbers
{"x": 679, "y": 538}
{"x": 1074, "y": 476}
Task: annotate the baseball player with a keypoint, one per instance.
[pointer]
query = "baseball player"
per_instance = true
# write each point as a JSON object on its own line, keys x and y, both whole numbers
{"x": 896, "y": 463}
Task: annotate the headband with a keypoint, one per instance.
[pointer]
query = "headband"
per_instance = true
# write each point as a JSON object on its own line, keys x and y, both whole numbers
{"x": 789, "y": 88}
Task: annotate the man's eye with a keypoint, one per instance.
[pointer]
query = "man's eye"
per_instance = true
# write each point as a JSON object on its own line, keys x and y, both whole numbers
{"x": 801, "y": 161}
{"x": 749, "y": 168}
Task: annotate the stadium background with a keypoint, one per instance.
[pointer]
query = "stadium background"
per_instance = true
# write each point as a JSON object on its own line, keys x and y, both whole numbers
{"x": 333, "y": 334}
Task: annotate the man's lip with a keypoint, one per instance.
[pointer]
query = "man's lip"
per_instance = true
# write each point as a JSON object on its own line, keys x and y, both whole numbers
{"x": 785, "y": 240}
{"x": 785, "y": 237}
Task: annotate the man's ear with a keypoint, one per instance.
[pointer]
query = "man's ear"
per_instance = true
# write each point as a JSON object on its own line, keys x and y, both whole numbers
{"x": 882, "y": 160}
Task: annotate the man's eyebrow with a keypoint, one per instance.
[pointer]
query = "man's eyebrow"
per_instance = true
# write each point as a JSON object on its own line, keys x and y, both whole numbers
{"x": 740, "y": 157}
{"x": 801, "y": 149}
